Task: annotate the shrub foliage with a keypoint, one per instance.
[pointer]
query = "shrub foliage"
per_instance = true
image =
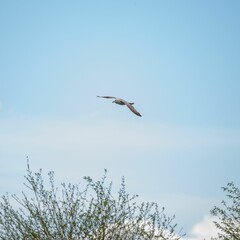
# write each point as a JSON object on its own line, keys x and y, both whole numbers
{"x": 229, "y": 214}
{"x": 72, "y": 213}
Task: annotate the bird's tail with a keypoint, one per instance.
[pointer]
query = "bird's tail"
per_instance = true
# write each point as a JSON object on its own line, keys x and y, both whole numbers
{"x": 131, "y": 103}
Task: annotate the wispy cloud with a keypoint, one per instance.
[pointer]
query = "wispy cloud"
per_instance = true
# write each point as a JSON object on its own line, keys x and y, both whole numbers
{"x": 80, "y": 139}
{"x": 75, "y": 136}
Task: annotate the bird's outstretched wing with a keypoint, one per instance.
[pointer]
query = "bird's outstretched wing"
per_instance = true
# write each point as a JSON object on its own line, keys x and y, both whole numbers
{"x": 107, "y": 97}
{"x": 123, "y": 102}
{"x": 133, "y": 109}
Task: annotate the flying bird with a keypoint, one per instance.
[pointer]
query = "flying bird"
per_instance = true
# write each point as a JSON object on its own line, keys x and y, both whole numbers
{"x": 120, "y": 101}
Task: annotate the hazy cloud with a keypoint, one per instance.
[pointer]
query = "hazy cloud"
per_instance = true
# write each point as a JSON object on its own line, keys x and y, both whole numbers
{"x": 76, "y": 136}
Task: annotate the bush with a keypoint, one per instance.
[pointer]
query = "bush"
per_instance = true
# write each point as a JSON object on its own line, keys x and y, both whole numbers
{"x": 91, "y": 213}
{"x": 229, "y": 215}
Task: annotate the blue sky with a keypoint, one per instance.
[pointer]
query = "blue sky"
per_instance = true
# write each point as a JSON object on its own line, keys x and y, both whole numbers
{"x": 179, "y": 61}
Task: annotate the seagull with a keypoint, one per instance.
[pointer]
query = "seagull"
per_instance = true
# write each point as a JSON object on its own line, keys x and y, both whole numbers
{"x": 120, "y": 101}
